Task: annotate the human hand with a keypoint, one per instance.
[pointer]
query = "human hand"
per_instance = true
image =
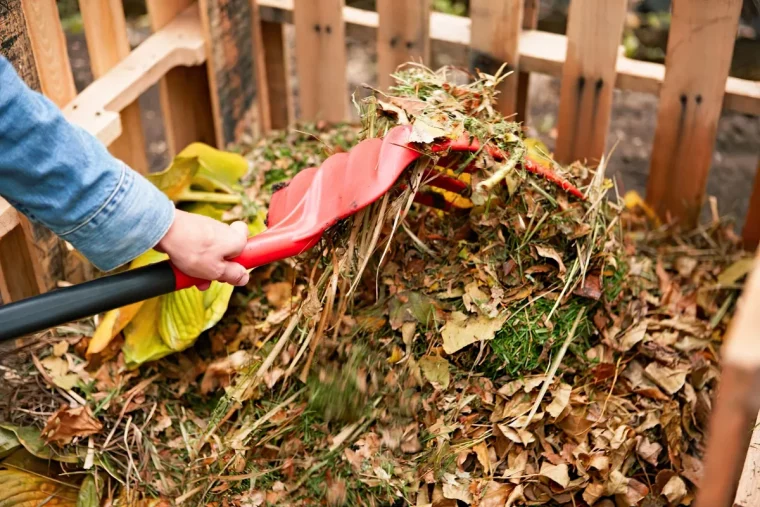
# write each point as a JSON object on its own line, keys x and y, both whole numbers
{"x": 200, "y": 246}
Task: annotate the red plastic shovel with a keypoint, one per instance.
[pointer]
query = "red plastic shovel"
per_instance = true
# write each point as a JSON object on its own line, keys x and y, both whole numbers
{"x": 315, "y": 200}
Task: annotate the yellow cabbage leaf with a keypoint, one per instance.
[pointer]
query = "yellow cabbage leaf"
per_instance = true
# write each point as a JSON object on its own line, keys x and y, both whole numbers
{"x": 24, "y": 489}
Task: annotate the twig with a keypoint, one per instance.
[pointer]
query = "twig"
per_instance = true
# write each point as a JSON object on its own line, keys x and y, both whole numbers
{"x": 554, "y": 366}
{"x": 485, "y": 186}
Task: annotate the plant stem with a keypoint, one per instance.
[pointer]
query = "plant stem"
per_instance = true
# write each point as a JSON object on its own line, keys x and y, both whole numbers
{"x": 192, "y": 195}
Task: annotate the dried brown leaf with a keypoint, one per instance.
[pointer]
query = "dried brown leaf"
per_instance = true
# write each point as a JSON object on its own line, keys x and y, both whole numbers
{"x": 557, "y": 473}
{"x": 496, "y": 494}
{"x": 436, "y": 370}
{"x": 560, "y": 400}
{"x": 68, "y": 423}
{"x": 551, "y": 253}
{"x": 669, "y": 379}
{"x": 460, "y": 331}
{"x": 648, "y": 451}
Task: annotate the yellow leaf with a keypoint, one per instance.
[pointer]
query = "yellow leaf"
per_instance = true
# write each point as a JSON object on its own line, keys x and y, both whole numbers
{"x": 115, "y": 321}
{"x": 736, "y": 271}
{"x": 397, "y": 355}
{"x": 218, "y": 170}
{"x": 538, "y": 152}
{"x": 142, "y": 342}
{"x": 176, "y": 178}
{"x": 23, "y": 489}
{"x": 181, "y": 319}
{"x": 460, "y": 331}
{"x": 632, "y": 200}
{"x": 436, "y": 370}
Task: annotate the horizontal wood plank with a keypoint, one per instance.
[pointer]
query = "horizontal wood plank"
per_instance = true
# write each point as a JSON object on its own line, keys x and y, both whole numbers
{"x": 179, "y": 44}
{"x": 540, "y": 52}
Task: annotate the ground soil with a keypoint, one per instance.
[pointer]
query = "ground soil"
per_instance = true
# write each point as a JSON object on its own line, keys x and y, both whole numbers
{"x": 632, "y": 128}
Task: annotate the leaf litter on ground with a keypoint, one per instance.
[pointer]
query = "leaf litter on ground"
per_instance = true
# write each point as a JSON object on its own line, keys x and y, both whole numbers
{"x": 540, "y": 348}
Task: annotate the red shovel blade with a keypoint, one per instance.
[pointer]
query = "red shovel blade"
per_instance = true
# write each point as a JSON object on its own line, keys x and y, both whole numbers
{"x": 317, "y": 198}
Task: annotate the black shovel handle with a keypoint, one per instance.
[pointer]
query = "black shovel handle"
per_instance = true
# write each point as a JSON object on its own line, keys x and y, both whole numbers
{"x": 84, "y": 300}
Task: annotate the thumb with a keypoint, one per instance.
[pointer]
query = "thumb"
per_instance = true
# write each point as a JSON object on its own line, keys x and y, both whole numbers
{"x": 234, "y": 274}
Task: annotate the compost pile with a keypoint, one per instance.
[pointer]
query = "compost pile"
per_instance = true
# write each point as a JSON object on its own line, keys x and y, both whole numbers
{"x": 527, "y": 346}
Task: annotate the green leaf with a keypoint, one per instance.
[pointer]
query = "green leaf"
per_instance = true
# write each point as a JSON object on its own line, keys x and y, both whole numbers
{"x": 736, "y": 271}
{"x": 8, "y": 442}
{"x": 88, "y": 493}
{"x": 32, "y": 441}
{"x": 176, "y": 178}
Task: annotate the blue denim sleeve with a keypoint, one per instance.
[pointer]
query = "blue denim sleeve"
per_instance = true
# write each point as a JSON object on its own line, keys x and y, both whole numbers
{"x": 59, "y": 175}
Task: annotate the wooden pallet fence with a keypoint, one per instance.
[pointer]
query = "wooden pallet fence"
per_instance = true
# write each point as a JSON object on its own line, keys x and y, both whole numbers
{"x": 403, "y": 35}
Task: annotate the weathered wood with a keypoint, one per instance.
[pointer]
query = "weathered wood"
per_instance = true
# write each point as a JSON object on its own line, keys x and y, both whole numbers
{"x": 403, "y": 35}
{"x": 105, "y": 30}
{"x": 228, "y": 27}
{"x": 275, "y": 76}
{"x": 185, "y": 94}
{"x": 42, "y": 251}
{"x": 751, "y": 231}
{"x": 700, "y": 46}
{"x": 49, "y": 47}
{"x": 530, "y": 22}
{"x": 540, "y": 52}
{"x": 588, "y": 79}
{"x": 18, "y": 277}
{"x": 748, "y": 490}
{"x": 180, "y": 44}
{"x": 495, "y": 39}
{"x": 737, "y": 401}
{"x": 321, "y": 59}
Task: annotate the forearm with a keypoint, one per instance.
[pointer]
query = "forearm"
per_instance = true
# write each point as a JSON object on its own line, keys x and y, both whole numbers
{"x": 62, "y": 177}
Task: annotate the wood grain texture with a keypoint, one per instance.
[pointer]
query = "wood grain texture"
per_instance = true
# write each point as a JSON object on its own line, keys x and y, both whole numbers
{"x": 540, "y": 52}
{"x": 736, "y": 404}
{"x": 107, "y": 44}
{"x": 275, "y": 76}
{"x": 588, "y": 79}
{"x": 184, "y": 91}
{"x": 50, "y": 54}
{"x": 751, "y": 231}
{"x": 403, "y": 35}
{"x": 748, "y": 489}
{"x": 700, "y": 47}
{"x": 8, "y": 217}
{"x": 321, "y": 60}
{"x": 228, "y": 27}
{"x": 530, "y": 22}
{"x": 18, "y": 279}
{"x": 180, "y": 44}
{"x": 41, "y": 250}
{"x": 496, "y": 30}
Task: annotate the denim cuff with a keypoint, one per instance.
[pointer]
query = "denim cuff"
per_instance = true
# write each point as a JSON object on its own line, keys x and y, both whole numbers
{"x": 131, "y": 221}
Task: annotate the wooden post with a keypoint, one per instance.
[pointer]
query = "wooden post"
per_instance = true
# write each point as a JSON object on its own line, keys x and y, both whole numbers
{"x": 48, "y": 43}
{"x": 107, "y": 44}
{"x": 530, "y": 22}
{"x": 700, "y": 45}
{"x": 588, "y": 79}
{"x": 32, "y": 257}
{"x": 495, "y": 39}
{"x": 403, "y": 35}
{"x": 751, "y": 231}
{"x": 185, "y": 95}
{"x": 736, "y": 403}
{"x": 228, "y": 27}
{"x": 321, "y": 59}
{"x": 277, "y": 103}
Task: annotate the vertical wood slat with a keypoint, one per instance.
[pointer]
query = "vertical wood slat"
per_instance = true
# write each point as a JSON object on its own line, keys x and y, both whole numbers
{"x": 700, "y": 47}
{"x": 530, "y": 22}
{"x": 321, "y": 59}
{"x": 18, "y": 277}
{"x": 105, "y": 30}
{"x": 228, "y": 27}
{"x": 50, "y": 54}
{"x": 39, "y": 54}
{"x": 751, "y": 230}
{"x": 594, "y": 30}
{"x": 185, "y": 95}
{"x": 275, "y": 88}
{"x": 403, "y": 35}
{"x": 495, "y": 39}
{"x": 736, "y": 404}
